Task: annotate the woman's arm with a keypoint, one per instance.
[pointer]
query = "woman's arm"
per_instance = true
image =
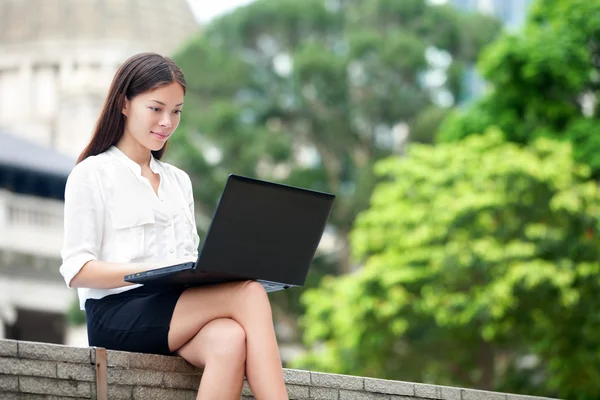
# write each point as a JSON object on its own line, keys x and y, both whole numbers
{"x": 106, "y": 275}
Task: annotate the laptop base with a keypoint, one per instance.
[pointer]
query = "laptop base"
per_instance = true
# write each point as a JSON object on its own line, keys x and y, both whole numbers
{"x": 189, "y": 277}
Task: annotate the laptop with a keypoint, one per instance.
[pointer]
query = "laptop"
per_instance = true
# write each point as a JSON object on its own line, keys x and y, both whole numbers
{"x": 262, "y": 231}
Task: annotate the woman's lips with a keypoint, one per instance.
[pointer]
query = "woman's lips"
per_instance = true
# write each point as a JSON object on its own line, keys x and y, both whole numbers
{"x": 161, "y": 136}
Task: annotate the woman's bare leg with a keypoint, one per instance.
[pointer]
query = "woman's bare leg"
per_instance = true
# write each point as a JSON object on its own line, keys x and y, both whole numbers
{"x": 247, "y": 304}
{"x": 219, "y": 348}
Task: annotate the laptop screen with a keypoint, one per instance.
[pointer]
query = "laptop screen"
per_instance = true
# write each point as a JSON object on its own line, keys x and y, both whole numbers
{"x": 265, "y": 230}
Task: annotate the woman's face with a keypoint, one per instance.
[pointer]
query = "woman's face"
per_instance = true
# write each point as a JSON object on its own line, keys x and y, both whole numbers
{"x": 153, "y": 116}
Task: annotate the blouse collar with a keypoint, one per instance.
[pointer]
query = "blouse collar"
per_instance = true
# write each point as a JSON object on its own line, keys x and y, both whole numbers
{"x": 132, "y": 165}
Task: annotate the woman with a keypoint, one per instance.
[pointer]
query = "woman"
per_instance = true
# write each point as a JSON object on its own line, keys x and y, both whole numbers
{"x": 126, "y": 212}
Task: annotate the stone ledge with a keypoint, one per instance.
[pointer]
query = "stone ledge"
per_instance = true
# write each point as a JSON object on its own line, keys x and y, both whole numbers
{"x": 48, "y": 371}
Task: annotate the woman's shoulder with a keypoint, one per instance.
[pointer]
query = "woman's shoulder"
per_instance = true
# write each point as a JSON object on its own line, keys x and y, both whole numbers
{"x": 91, "y": 163}
{"x": 90, "y": 166}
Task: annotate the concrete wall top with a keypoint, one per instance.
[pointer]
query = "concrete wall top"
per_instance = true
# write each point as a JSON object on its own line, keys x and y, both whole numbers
{"x": 39, "y": 371}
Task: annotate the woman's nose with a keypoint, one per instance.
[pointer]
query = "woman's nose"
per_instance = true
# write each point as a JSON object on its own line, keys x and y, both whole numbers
{"x": 165, "y": 122}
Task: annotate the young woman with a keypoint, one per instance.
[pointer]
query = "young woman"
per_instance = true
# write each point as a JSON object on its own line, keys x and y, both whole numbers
{"x": 125, "y": 212}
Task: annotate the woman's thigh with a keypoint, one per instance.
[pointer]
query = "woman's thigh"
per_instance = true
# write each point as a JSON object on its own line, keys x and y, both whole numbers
{"x": 198, "y": 306}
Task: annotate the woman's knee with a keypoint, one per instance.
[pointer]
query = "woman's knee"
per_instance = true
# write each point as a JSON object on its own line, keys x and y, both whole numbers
{"x": 253, "y": 290}
{"x": 255, "y": 297}
{"x": 225, "y": 339}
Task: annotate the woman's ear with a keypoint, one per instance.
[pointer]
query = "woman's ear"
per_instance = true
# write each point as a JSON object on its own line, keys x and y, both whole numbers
{"x": 126, "y": 105}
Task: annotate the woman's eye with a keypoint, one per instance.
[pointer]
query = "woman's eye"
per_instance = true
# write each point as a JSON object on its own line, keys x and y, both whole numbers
{"x": 177, "y": 111}
{"x": 155, "y": 109}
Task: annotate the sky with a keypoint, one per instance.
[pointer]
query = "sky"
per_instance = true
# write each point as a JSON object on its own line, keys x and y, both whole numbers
{"x": 205, "y": 10}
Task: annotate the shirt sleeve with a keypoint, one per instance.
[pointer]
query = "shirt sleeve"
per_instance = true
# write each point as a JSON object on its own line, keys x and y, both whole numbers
{"x": 83, "y": 223}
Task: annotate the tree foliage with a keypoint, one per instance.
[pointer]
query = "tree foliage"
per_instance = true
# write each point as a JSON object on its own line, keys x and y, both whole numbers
{"x": 544, "y": 81}
{"x": 310, "y": 93}
{"x": 481, "y": 269}
{"x": 307, "y": 93}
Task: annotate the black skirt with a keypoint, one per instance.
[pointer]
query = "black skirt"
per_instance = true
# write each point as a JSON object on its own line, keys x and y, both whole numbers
{"x": 136, "y": 320}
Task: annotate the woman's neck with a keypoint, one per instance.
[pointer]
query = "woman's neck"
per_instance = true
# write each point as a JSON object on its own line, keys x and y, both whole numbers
{"x": 135, "y": 151}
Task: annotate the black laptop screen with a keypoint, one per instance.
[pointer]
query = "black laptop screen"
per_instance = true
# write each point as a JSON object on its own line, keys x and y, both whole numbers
{"x": 265, "y": 230}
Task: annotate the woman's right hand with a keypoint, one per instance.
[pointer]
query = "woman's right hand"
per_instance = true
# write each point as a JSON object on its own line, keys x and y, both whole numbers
{"x": 107, "y": 275}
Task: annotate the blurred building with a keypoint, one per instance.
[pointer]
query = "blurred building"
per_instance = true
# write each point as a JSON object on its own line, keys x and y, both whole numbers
{"x": 58, "y": 59}
{"x": 512, "y": 13}
{"x": 33, "y": 297}
{"x": 59, "y": 56}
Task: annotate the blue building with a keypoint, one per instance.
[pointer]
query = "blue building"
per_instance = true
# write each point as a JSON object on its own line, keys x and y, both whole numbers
{"x": 512, "y": 13}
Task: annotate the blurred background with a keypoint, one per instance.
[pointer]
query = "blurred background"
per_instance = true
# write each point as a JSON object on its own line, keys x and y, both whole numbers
{"x": 461, "y": 138}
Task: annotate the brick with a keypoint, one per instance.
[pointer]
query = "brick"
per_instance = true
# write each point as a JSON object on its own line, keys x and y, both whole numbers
{"x": 117, "y": 358}
{"x": 355, "y": 395}
{"x": 8, "y": 348}
{"x": 77, "y": 372}
{"x": 389, "y": 387}
{"x": 323, "y": 393}
{"x": 28, "y": 396}
{"x": 120, "y": 392}
{"x": 181, "y": 381}
{"x": 297, "y": 392}
{"x": 296, "y": 376}
{"x": 246, "y": 389}
{"x": 55, "y": 387}
{"x": 337, "y": 381}
{"x": 9, "y": 383}
{"x": 427, "y": 391}
{"x": 15, "y": 366}
{"x": 147, "y": 393}
{"x": 406, "y": 398}
{"x": 161, "y": 363}
{"x": 469, "y": 394}
{"x": 54, "y": 352}
{"x": 510, "y": 396}
{"x": 134, "y": 377}
{"x": 450, "y": 393}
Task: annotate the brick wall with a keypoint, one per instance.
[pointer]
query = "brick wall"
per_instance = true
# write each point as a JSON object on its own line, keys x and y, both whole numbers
{"x": 39, "y": 371}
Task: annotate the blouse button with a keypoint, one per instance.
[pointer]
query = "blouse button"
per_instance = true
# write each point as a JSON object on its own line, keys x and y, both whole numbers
{"x": 170, "y": 223}
{"x": 172, "y": 251}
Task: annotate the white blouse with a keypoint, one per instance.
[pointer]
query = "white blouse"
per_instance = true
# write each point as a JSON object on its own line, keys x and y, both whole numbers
{"x": 112, "y": 214}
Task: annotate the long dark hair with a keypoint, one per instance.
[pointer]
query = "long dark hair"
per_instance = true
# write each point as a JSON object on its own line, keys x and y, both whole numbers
{"x": 140, "y": 73}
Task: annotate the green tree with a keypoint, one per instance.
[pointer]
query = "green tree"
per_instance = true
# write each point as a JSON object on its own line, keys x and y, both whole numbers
{"x": 481, "y": 269}
{"x": 544, "y": 81}
{"x": 309, "y": 93}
